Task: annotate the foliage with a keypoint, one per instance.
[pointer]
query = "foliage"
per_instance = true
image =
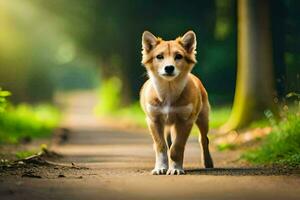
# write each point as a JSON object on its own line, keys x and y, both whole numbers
{"x": 26, "y": 121}
{"x": 219, "y": 115}
{"x": 3, "y": 101}
{"x": 109, "y": 95}
{"x": 134, "y": 113}
{"x": 69, "y": 43}
{"x": 282, "y": 146}
{"x": 225, "y": 146}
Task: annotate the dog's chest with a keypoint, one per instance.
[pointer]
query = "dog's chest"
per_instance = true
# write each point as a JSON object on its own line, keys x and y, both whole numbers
{"x": 170, "y": 113}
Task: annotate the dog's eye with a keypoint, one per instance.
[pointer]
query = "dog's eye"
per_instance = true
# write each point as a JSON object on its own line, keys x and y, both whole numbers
{"x": 178, "y": 56}
{"x": 160, "y": 57}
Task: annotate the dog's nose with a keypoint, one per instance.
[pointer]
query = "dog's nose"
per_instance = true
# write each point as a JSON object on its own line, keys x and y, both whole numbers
{"x": 169, "y": 69}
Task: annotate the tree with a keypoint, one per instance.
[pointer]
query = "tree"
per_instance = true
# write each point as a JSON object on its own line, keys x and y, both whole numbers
{"x": 255, "y": 80}
{"x": 111, "y": 32}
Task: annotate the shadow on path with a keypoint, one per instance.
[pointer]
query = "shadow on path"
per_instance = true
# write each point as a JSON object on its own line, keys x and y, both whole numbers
{"x": 243, "y": 171}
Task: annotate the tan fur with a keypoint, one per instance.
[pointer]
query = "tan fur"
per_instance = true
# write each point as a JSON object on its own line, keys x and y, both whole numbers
{"x": 173, "y": 104}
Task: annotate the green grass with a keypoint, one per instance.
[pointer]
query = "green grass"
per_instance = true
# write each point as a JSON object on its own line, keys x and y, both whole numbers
{"x": 225, "y": 147}
{"x": 282, "y": 146}
{"x": 24, "y": 120}
{"x": 218, "y": 116}
{"x": 25, "y": 154}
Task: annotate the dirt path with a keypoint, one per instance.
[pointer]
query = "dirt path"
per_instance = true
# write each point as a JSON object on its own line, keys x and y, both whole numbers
{"x": 115, "y": 164}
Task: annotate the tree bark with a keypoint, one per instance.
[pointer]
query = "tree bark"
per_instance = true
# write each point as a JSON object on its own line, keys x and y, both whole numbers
{"x": 255, "y": 79}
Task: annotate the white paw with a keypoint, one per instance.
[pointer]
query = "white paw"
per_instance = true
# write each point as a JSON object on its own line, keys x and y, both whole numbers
{"x": 159, "y": 171}
{"x": 175, "y": 171}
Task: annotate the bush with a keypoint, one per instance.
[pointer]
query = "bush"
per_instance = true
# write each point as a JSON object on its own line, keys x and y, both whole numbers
{"x": 26, "y": 121}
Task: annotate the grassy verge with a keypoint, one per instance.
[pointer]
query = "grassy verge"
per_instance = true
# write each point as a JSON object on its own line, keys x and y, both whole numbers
{"x": 26, "y": 121}
{"x": 282, "y": 145}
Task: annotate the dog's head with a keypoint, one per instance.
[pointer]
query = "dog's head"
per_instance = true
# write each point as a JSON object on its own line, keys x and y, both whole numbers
{"x": 169, "y": 59}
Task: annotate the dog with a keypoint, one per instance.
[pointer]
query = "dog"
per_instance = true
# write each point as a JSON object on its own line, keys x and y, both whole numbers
{"x": 173, "y": 99}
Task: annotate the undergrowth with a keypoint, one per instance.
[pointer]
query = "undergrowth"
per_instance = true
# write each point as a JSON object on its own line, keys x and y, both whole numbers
{"x": 25, "y": 121}
{"x": 282, "y": 145}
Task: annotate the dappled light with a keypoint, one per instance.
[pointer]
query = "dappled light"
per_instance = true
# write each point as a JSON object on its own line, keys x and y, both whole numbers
{"x": 98, "y": 96}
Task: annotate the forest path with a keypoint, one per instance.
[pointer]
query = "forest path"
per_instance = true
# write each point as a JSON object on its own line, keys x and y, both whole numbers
{"x": 118, "y": 164}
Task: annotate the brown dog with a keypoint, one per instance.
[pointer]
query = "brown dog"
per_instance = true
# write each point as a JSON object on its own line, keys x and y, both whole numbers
{"x": 173, "y": 100}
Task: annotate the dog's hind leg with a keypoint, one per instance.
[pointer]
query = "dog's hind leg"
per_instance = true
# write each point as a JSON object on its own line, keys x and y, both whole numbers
{"x": 202, "y": 123}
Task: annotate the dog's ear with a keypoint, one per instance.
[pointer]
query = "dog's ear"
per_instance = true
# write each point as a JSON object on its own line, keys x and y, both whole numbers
{"x": 149, "y": 41}
{"x": 188, "y": 41}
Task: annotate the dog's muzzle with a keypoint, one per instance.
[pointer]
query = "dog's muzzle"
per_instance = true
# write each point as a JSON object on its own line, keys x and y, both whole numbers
{"x": 169, "y": 70}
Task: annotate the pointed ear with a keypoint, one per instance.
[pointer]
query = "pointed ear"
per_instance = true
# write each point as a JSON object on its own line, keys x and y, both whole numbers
{"x": 149, "y": 41}
{"x": 189, "y": 42}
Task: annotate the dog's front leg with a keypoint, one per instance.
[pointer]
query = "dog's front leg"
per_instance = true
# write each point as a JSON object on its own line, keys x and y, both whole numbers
{"x": 161, "y": 151}
{"x": 180, "y": 131}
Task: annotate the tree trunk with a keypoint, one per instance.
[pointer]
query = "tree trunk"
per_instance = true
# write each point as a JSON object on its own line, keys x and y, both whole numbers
{"x": 255, "y": 80}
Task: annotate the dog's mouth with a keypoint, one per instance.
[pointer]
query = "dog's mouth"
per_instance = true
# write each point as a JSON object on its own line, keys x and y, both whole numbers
{"x": 168, "y": 75}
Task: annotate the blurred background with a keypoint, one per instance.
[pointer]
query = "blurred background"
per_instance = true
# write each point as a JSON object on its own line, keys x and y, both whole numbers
{"x": 49, "y": 49}
{"x": 61, "y": 45}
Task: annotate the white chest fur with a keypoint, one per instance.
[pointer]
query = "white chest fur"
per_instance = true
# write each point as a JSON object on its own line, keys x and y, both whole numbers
{"x": 167, "y": 110}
